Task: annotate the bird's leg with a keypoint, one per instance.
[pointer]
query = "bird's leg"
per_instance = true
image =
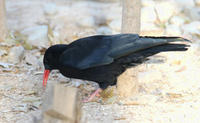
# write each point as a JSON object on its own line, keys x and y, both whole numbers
{"x": 96, "y": 93}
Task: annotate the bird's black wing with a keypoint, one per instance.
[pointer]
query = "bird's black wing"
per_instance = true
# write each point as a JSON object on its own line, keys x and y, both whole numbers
{"x": 95, "y": 50}
{"x": 101, "y": 50}
{"x": 86, "y": 52}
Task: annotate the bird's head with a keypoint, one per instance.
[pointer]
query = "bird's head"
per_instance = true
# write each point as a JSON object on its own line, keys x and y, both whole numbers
{"x": 51, "y": 60}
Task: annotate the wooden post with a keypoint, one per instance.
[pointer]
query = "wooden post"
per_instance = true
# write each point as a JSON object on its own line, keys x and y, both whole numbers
{"x": 131, "y": 16}
{"x": 66, "y": 107}
{"x": 127, "y": 81}
{"x": 3, "y": 27}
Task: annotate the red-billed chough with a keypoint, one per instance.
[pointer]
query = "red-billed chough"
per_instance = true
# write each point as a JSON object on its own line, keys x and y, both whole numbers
{"x": 102, "y": 58}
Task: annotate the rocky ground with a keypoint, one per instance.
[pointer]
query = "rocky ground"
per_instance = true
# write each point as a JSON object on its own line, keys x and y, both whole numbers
{"x": 167, "y": 92}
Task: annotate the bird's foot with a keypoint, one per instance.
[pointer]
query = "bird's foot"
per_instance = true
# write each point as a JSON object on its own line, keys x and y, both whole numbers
{"x": 96, "y": 93}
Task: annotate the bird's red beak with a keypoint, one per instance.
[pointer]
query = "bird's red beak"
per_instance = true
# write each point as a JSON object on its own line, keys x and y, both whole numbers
{"x": 45, "y": 77}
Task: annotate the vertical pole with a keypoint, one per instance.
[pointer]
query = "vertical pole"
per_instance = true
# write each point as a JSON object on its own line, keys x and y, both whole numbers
{"x": 127, "y": 81}
{"x": 131, "y": 16}
{"x": 3, "y": 27}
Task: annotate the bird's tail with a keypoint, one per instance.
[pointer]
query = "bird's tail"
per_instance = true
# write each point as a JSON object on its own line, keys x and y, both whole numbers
{"x": 166, "y": 39}
{"x": 166, "y": 48}
{"x": 142, "y": 43}
{"x": 146, "y": 42}
{"x": 141, "y": 56}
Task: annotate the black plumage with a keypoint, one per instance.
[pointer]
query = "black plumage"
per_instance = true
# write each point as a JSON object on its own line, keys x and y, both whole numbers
{"x": 103, "y": 58}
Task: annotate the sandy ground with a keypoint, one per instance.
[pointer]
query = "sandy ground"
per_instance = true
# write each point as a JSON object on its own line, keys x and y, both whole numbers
{"x": 167, "y": 92}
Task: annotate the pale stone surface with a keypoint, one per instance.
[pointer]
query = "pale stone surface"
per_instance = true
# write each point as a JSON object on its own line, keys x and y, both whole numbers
{"x": 87, "y": 22}
{"x": 116, "y": 13}
{"x": 148, "y": 14}
{"x": 173, "y": 30}
{"x": 149, "y": 27}
{"x": 127, "y": 83}
{"x": 66, "y": 106}
{"x": 197, "y": 2}
{"x": 37, "y": 36}
{"x": 3, "y": 52}
{"x": 104, "y": 30}
{"x": 148, "y": 3}
{"x": 195, "y": 13}
{"x": 185, "y": 3}
{"x": 16, "y": 54}
{"x": 24, "y": 14}
{"x": 177, "y": 20}
{"x": 165, "y": 10}
{"x": 115, "y": 25}
{"x": 31, "y": 59}
{"x": 150, "y": 76}
{"x": 192, "y": 28}
{"x": 65, "y": 20}
{"x": 50, "y": 8}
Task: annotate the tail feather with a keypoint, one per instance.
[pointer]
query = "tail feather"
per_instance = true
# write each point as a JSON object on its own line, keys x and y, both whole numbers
{"x": 134, "y": 43}
{"x": 169, "y": 47}
{"x": 168, "y": 39}
{"x": 141, "y": 56}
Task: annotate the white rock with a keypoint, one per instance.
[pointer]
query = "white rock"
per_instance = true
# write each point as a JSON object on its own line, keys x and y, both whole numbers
{"x": 173, "y": 30}
{"x": 87, "y": 22}
{"x": 100, "y": 18}
{"x": 31, "y": 99}
{"x": 165, "y": 10}
{"x": 8, "y": 43}
{"x": 150, "y": 76}
{"x": 148, "y": 26}
{"x": 197, "y": 2}
{"x": 6, "y": 87}
{"x": 37, "y": 104}
{"x": 50, "y": 8}
{"x": 192, "y": 28}
{"x": 185, "y": 3}
{"x": 5, "y": 65}
{"x": 148, "y": 14}
{"x": 114, "y": 12}
{"x": 31, "y": 59}
{"x": 195, "y": 13}
{"x": 115, "y": 25}
{"x": 3, "y": 52}
{"x": 16, "y": 54}
{"x": 21, "y": 108}
{"x": 148, "y": 3}
{"x": 177, "y": 20}
{"x": 104, "y": 30}
{"x": 37, "y": 36}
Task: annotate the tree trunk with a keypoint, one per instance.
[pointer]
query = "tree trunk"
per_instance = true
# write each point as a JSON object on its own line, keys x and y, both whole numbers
{"x": 3, "y": 27}
{"x": 127, "y": 81}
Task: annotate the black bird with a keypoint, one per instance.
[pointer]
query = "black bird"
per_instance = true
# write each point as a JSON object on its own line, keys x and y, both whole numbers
{"x": 102, "y": 58}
